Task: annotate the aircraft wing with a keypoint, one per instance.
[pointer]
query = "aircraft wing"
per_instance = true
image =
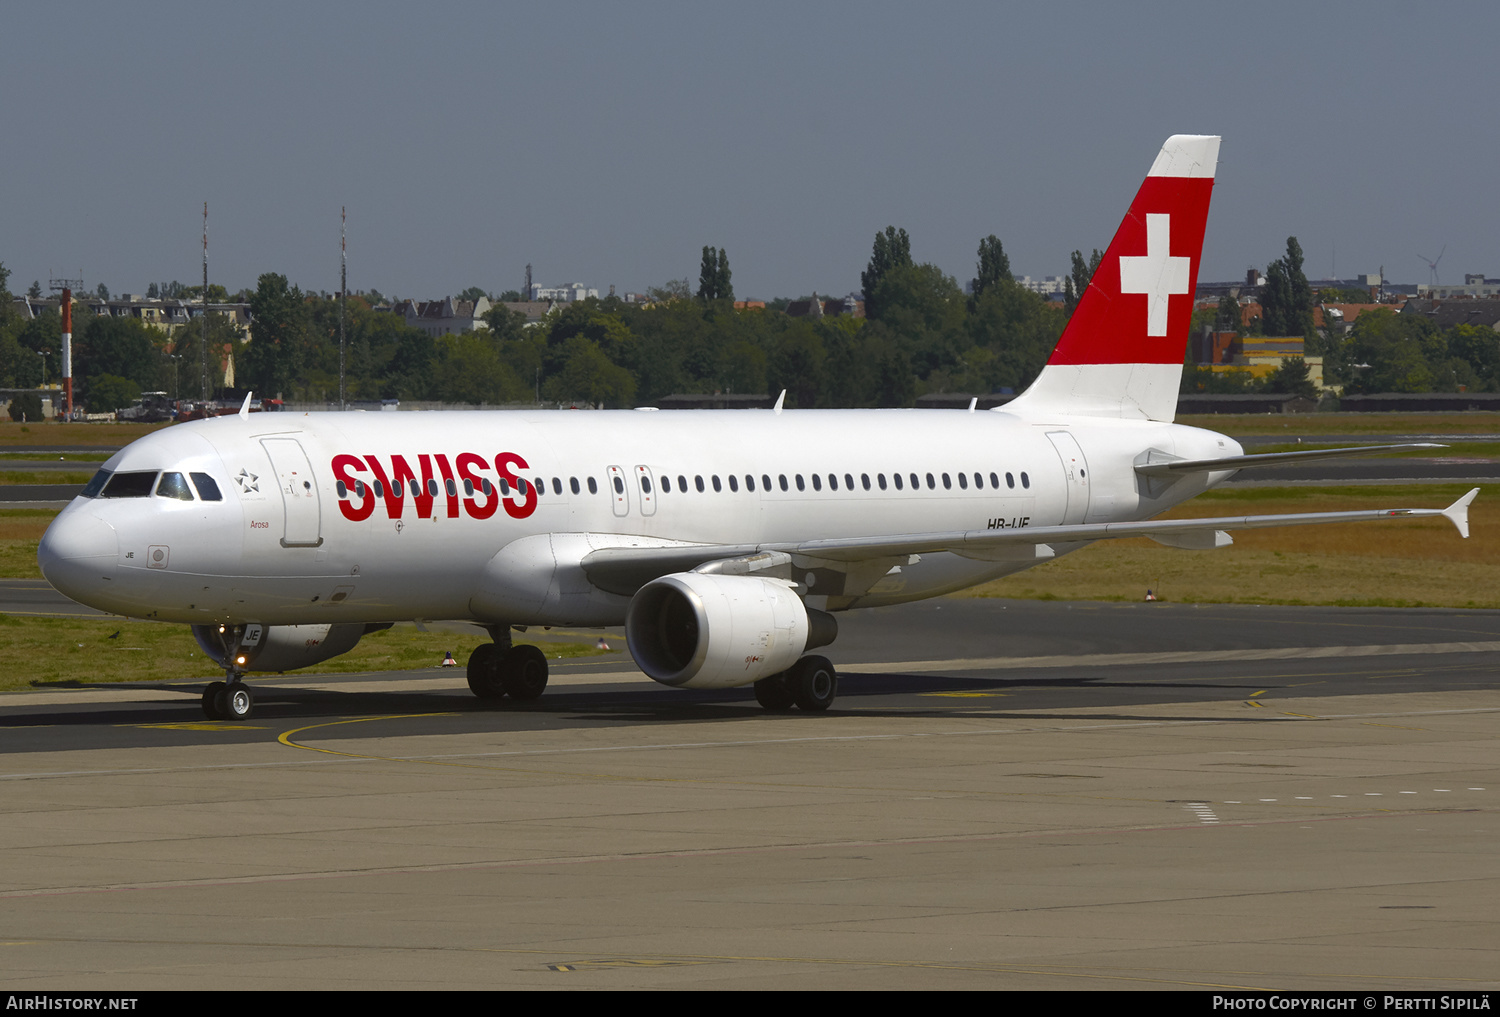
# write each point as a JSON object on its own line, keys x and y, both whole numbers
{"x": 1159, "y": 464}
{"x": 626, "y": 569}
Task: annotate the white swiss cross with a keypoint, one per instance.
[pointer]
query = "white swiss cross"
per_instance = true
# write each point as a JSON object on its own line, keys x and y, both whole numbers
{"x": 1157, "y": 274}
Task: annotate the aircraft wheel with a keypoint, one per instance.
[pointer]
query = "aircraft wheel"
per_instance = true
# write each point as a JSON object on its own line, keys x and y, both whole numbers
{"x": 524, "y": 673}
{"x": 813, "y": 683}
{"x": 484, "y": 672}
{"x": 773, "y": 694}
{"x": 234, "y": 702}
{"x": 211, "y": 700}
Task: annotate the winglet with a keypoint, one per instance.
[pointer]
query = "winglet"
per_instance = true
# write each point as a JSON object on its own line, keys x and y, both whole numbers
{"x": 779, "y": 400}
{"x": 1458, "y": 513}
{"x": 973, "y": 403}
{"x": 245, "y": 408}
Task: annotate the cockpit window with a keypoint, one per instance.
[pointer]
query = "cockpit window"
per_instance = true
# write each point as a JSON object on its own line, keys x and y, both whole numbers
{"x": 97, "y": 484}
{"x": 207, "y": 489}
{"x": 174, "y": 485}
{"x": 129, "y": 485}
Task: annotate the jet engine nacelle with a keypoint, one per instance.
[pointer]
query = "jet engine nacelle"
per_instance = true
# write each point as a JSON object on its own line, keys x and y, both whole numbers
{"x": 278, "y": 647}
{"x": 705, "y": 631}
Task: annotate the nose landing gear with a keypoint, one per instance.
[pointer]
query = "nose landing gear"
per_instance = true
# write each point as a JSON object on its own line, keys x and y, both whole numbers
{"x": 229, "y": 700}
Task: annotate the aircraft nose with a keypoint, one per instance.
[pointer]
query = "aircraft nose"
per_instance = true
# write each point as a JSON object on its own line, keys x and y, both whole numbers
{"x": 77, "y": 551}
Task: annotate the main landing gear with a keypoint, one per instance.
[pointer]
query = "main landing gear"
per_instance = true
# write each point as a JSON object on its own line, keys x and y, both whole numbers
{"x": 229, "y": 700}
{"x": 499, "y": 669}
{"x": 810, "y": 684}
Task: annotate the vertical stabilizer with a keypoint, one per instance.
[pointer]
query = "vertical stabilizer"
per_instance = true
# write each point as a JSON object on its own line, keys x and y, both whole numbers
{"x": 1122, "y": 352}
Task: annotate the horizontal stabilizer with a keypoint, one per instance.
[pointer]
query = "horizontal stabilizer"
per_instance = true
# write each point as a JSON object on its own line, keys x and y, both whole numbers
{"x": 1159, "y": 464}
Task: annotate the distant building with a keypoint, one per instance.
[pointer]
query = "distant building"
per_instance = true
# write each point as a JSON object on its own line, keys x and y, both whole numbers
{"x": 166, "y": 315}
{"x": 814, "y": 307}
{"x": 563, "y": 294}
{"x": 1475, "y": 285}
{"x": 1462, "y": 311}
{"x": 444, "y": 317}
{"x": 1047, "y": 285}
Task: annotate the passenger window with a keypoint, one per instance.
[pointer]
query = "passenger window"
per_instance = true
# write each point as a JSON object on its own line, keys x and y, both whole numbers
{"x": 504, "y": 486}
{"x": 717, "y": 486}
{"x": 897, "y": 478}
{"x": 880, "y": 479}
{"x": 849, "y": 482}
{"x": 994, "y": 482}
{"x": 468, "y": 487}
{"x": 342, "y": 489}
{"x": 540, "y": 483}
{"x": 963, "y": 481}
{"x": 750, "y": 482}
{"x": 734, "y": 484}
{"x": 817, "y": 482}
{"x": 931, "y": 484}
{"x": 916, "y": 482}
{"x": 833, "y": 482}
{"x": 619, "y": 486}
{"x": 698, "y": 483}
{"x": 209, "y": 491}
{"x": 1025, "y": 480}
{"x": 379, "y": 489}
{"x": 783, "y": 481}
{"x": 979, "y": 481}
{"x": 1010, "y": 480}
{"x": 682, "y": 483}
{"x": 489, "y": 489}
{"x": 416, "y": 488}
{"x": 573, "y": 484}
{"x": 452, "y": 487}
{"x": 765, "y": 481}
{"x": 593, "y": 486}
{"x": 666, "y": 482}
{"x": 174, "y": 485}
{"x": 557, "y": 485}
{"x": 432, "y": 487}
{"x": 646, "y": 484}
{"x": 800, "y": 485}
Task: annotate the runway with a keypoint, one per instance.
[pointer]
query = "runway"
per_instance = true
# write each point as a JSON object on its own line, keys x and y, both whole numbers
{"x": 1006, "y": 795}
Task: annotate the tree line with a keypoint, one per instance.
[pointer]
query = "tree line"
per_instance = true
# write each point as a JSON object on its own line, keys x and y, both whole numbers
{"x": 922, "y": 332}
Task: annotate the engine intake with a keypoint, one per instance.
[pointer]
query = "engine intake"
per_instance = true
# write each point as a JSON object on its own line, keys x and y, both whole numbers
{"x": 704, "y": 631}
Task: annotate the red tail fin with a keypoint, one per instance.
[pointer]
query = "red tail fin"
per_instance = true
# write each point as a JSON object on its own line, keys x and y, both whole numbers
{"x": 1121, "y": 354}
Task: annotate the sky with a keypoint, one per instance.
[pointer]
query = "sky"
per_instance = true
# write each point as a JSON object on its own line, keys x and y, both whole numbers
{"x": 607, "y": 143}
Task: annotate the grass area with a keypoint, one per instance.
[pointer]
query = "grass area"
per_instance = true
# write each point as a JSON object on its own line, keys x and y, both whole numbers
{"x": 53, "y": 433}
{"x": 53, "y": 652}
{"x": 44, "y": 477}
{"x": 20, "y": 531}
{"x": 1402, "y": 563}
{"x": 72, "y": 457}
{"x": 1238, "y": 424}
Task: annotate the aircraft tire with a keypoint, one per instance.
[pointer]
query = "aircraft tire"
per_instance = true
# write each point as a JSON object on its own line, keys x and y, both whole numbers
{"x": 484, "y": 672}
{"x": 813, "y": 683}
{"x": 235, "y": 702}
{"x": 773, "y": 694}
{"x": 523, "y": 673}
{"x": 211, "y": 700}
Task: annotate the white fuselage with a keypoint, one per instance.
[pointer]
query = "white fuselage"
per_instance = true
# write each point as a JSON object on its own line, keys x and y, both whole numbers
{"x": 284, "y": 545}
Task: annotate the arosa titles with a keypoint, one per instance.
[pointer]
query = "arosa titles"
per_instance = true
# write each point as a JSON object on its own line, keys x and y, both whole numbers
{"x": 467, "y": 483}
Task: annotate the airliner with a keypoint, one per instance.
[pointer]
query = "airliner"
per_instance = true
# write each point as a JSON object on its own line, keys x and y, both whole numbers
{"x": 726, "y": 542}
